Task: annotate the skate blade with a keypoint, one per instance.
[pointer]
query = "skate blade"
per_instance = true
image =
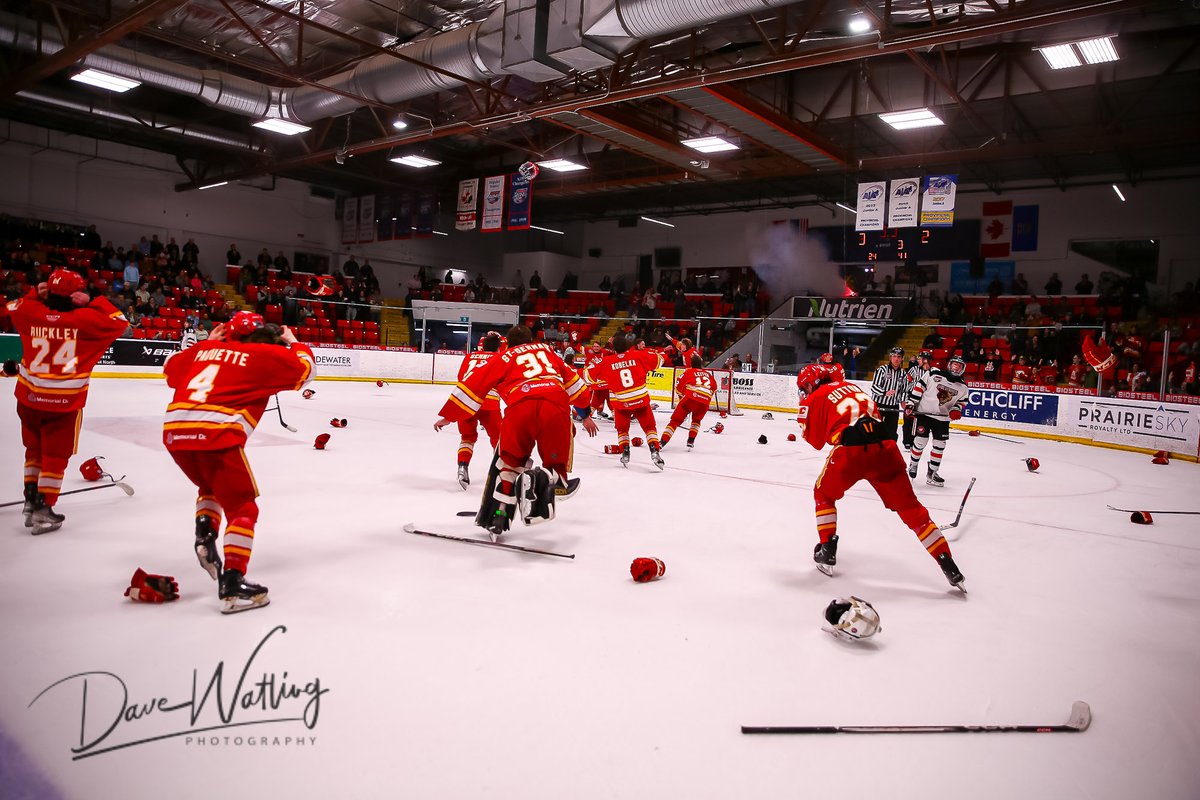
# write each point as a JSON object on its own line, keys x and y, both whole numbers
{"x": 826, "y": 569}
{"x": 234, "y": 605}
{"x": 38, "y": 530}
{"x": 463, "y": 484}
{"x": 961, "y": 586}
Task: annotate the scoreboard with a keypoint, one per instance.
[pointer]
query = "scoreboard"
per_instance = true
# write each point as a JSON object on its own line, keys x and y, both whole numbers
{"x": 848, "y": 246}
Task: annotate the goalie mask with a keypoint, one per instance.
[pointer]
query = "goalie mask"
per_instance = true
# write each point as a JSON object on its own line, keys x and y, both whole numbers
{"x": 851, "y": 619}
{"x": 957, "y": 366}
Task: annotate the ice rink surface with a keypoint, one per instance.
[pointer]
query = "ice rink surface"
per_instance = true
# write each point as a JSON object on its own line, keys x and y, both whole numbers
{"x": 451, "y": 671}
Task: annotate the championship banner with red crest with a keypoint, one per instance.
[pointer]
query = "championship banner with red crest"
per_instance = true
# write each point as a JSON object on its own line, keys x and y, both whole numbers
{"x": 493, "y": 204}
{"x": 468, "y": 200}
{"x": 520, "y": 202}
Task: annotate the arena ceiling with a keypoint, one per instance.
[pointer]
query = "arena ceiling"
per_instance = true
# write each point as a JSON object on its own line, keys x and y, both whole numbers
{"x": 616, "y": 87}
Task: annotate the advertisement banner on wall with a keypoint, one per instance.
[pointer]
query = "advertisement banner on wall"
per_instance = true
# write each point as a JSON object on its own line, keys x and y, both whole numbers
{"x": 850, "y": 308}
{"x": 468, "y": 199}
{"x": 493, "y": 204}
{"x": 366, "y": 219}
{"x": 1151, "y": 425}
{"x": 904, "y": 197}
{"x": 1029, "y": 408}
{"x": 871, "y": 200}
{"x": 756, "y": 390}
{"x": 340, "y": 362}
{"x": 350, "y": 221}
{"x": 660, "y": 383}
{"x": 937, "y": 201}
{"x": 138, "y": 353}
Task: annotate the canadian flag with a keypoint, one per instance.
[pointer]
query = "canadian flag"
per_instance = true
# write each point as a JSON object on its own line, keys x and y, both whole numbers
{"x": 995, "y": 234}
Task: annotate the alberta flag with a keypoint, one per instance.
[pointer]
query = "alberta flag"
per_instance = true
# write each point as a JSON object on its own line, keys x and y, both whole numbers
{"x": 995, "y": 231}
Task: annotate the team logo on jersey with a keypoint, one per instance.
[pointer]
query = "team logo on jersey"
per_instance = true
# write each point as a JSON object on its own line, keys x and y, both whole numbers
{"x": 944, "y": 395}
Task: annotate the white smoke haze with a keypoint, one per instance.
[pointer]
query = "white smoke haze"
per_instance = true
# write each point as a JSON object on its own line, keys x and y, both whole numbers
{"x": 788, "y": 262}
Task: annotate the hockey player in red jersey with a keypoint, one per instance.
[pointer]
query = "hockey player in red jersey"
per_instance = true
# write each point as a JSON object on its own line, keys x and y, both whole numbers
{"x": 599, "y": 389}
{"x": 686, "y": 351}
{"x": 625, "y": 373}
{"x": 835, "y": 412}
{"x": 63, "y": 333}
{"x": 488, "y": 415}
{"x": 222, "y": 386}
{"x": 695, "y": 389}
{"x": 538, "y": 390}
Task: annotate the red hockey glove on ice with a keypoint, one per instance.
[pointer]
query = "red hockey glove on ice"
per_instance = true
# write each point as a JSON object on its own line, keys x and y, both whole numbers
{"x": 1098, "y": 355}
{"x": 148, "y": 588}
{"x": 955, "y": 413}
{"x": 645, "y": 570}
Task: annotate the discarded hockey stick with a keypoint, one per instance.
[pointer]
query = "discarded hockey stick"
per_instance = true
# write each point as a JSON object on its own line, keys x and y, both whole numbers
{"x": 412, "y": 528}
{"x": 1131, "y": 510}
{"x": 961, "y": 506}
{"x": 974, "y": 432}
{"x": 1081, "y": 718}
{"x": 125, "y": 487}
{"x": 278, "y": 410}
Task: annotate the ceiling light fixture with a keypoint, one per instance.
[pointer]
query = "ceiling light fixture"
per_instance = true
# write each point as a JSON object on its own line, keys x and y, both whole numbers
{"x": 710, "y": 144}
{"x": 547, "y": 230}
{"x": 1060, "y": 56}
{"x": 105, "y": 80}
{"x": 860, "y": 25}
{"x": 441, "y": 233}
{"x": 848, "y": 208}
{"x": 914, "y": 118}
{"x": 1118, "y": 191}
{"x": 420, "y": 162}
{"x": 213, "y": 185}
{"x": 658, "y": 222}
{"x": 1098, "y": 51}
{"x": 561, "y": 165}
{"x": 399, "y": 123}
{"x": 276, "y": 125}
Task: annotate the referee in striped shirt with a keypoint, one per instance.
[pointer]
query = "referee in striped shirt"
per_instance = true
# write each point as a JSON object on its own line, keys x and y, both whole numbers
{"x": 888, "y": 389}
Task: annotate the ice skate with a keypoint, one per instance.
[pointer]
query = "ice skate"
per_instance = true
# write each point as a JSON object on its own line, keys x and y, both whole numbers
{"x": 656, "y": 457}
{"x": 238, "y": 594}
{"x": 912, "y": 471}
{"x": 31, "y": 501}
{"x": 933, "y": 479}
{"x": 666, "y": 437}
{"x": 825, "y": 555}
{"x": 625, "y": 456}
{"x": 464, "y": 480}
{"x": 499, "y": 524}
{"x": 950, "y": 570}
{"x": 691, "y": 442}
{"x": 44, "y": 519}
{"x": 207, "y": 551}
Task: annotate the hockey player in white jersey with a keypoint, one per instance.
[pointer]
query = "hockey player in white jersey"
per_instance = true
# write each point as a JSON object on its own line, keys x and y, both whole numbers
{"x": 935, "y": 400}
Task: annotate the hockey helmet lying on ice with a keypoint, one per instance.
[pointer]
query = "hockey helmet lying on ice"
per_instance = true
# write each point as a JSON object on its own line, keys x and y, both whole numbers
{"x": 91, "y": 469}
{"x": 851, "y": 619}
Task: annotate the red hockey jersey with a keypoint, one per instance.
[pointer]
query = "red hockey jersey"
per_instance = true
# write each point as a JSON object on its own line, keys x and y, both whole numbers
{"x": 491, "y": 402}
{"x": 222, "y": 388}
{"x": 59, "y": 349}
{"x": 526, "y": 370}
{"x": 696, "y": 384}
{"x": 826, "y": 413}
{"x": 625, "y": 373}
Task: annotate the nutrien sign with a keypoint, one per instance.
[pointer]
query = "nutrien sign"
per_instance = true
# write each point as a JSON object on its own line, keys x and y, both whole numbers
{"x": 872, "y": 309}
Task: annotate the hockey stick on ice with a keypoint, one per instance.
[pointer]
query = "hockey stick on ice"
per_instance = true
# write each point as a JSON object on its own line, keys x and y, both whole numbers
{"x": 1081, "y": 718}
{"x": 280, "y": 412}
{"x": 961, "y": 506}
{"x": 1131, "y": 510}
{"x": 125, "y": 487}
{"x": 974, "y": 432}
{"x": 412, "y": 528}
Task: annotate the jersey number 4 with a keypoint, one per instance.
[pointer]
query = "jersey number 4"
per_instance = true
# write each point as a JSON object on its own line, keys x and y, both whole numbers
{"x": 203, "y": 383}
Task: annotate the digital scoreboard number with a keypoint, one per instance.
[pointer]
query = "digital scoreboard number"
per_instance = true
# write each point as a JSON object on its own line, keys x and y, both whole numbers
{"x": 957, "y": 243}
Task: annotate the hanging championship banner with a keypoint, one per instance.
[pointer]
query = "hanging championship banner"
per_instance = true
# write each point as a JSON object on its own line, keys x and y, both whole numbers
{"x": 350, "y": 221}
{"x": 468, "y": 199}
{"x": 903, "y": 199}
{"x": 493, "y": 204}
{"x": 871, "y": 197}
{"x": 520, "y": 199}
{"x": 425, "y": 207}
{"x": 937, "y": 202}
{"x": 385, "y": 227}
{"x": 366, "y": 219}
{"x": 404, "y": 215}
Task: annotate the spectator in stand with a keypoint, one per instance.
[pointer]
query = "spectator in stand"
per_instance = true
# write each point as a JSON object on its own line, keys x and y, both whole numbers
{"x": 115, "y": 260}
{"x": 143, "y": 246}
{"x": 285, "y": 271}
{"x": 995, "y": 288}
{"x": 1054, "y": 285}
{"x": 933, "y": 341}
{"x": 156, "y": 246}
{"x": 1020, "y": 285}
{"x": 1138, "y": 378}
{"x": 90, "y": 240}
{"x": 469, "y": 294}
{"x": 264, "y": 260}
{"x": 650, "y": 302}
{"x": 605, "y": 284}
{"x": 968, "y": 343}
{"x": 733, "y": 363}
{"x": 1084, "y": 286}
{"x": 749, "y": 364}
{"x": 1022, "y": 372}
{"x": 1076, "y": 373}
{"x": 280, "y": 262}
{"x": 1190, "y": 385}
{"x": 132, "y": 275}
{"x": 351, "y": 267}
{"x": 993, "y": 365}
{"x": 161, "y": 262}
{"x": 172, "y": 250}
{"x": 191, "y": 253}
{"x": 232, "y": 256}
{"x": 1033, "y": 310}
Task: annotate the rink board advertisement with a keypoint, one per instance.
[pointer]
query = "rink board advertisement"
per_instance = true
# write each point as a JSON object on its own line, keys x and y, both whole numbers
{"x": 1135, "y": 423}
{"x": 1028, "y": 408}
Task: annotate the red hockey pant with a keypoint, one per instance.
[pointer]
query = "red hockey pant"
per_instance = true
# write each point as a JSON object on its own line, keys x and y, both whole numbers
{"x": 541, "y": 423}
{"x": 50, "y": 439}
{"x": 645, "y": 418}
{"x": 697, "y": 408}
{"x": 882, "y": 466}
{"x": 468, "y": 429}
{"x": 225, "y": 482}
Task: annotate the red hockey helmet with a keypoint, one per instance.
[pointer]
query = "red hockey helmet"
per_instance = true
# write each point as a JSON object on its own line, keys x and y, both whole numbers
{"x": 826, "y": 359}
{"x": 65, "y": 282}
{"x": 91, "y": 469}
{"x": 835, "y": 372}
{"x": 243, "y": 324}
{"x": 811, "y": 377}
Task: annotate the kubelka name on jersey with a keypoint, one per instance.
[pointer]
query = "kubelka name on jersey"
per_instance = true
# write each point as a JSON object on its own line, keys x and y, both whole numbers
{"x": 226, "y": 356}
{"x": 44, "y": 332}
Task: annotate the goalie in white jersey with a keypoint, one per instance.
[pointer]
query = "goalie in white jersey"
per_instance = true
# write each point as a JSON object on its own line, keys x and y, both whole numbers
{"x": 935, "y": 399}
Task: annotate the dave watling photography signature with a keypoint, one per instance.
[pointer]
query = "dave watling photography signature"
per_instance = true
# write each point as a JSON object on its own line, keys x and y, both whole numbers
{"x": 238, "y": 707}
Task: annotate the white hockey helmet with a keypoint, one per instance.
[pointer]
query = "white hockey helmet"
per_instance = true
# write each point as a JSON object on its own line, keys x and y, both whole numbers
{"x": 851, "y": 619}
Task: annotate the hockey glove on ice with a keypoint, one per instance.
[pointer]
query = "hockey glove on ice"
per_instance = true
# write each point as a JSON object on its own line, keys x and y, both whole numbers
{"x": 148, "y": 588}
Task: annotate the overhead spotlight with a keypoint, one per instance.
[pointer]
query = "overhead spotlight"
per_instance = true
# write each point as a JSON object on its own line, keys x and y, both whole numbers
{"x": 340, "y": 155}
{"x": 702, "y": 163}
{"x": 399, "y": 123}
{"x": 860, "y": 25}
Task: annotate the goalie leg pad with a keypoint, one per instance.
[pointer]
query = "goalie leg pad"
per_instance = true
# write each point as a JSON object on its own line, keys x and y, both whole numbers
{"x": 498, "y": 499}
{"x": 535, "y": 496}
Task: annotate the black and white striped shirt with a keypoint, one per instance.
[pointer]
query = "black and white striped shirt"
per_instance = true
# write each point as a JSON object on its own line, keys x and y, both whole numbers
{"x": 889, "y": 386}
